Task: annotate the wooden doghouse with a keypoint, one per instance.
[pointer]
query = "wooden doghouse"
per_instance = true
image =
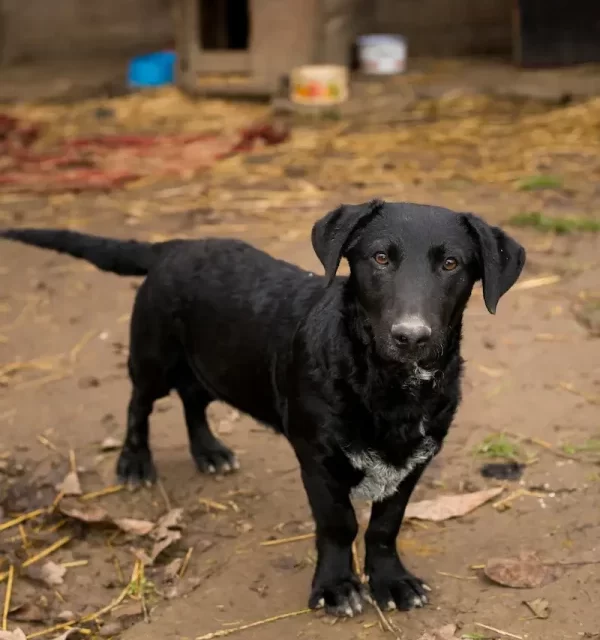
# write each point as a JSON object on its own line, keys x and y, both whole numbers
{"x": 248, "y": 47}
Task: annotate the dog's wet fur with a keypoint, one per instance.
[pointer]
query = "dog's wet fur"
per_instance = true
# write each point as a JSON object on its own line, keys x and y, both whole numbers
{"x": 360, "y": 373}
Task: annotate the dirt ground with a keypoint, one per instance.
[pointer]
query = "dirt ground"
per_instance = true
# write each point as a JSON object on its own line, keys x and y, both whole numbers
{"x": 533, "y": 373}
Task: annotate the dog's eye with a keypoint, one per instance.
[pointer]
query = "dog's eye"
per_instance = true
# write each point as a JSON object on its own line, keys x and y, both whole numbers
{"x": 381, "y": 258}
{"x": 450, "y": 264}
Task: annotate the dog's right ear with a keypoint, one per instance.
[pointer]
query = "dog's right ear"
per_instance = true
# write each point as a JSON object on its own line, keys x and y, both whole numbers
{"x": 331, "y": 233}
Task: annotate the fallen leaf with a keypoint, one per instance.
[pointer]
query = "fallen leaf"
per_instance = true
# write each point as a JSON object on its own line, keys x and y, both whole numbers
{"x": 171, "y": 520}
{"x": 70, "y": 486}
{"x": 17, "y": 634}
{"x": 172, "y": 569}
{"x": 50, "y": 573}
{"x": 110, "y": 444}
{"x": 127, "y": 610}
{"x": 524, "y": 572}
{"x": 66, "y": 616}
{"x": 452, "y": 506}
{"x": 28, "y": 612}
{"x": 444, "y": 633}
{"x": 166, "y": 532}
{"x": 142, "y": 556}
{"x": 110, "y": 629}
{"x": 540, "y": 607}
{"x": 170, "y": 536}
{"x": 136, "y": 527}
{"x": 92, "y": 514}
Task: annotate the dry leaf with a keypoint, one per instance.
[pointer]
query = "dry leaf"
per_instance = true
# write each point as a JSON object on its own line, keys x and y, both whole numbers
{"x": 444, "y": 633}
{"x": 454, "y": 506}
{"x": 17, "y": 634}
{"x": 540, "y": 607}
{"x": 523, "y": 572}
{"x": 136, "y": 527}
{"x": 50, "y": 573}
{"x": 110, "y": 444}
{"x": 170, "y": 536}
{"x": 172, "y": 569}
{"x": 127, "y": 610}
{"x": 92, "y": 514}
{"x": 70, "y": 486}
{"x": 171, "y": 520}
{"x": 166, "y": 532}
{"x": 28, "y": 612}
{"x": 142, "y": 556}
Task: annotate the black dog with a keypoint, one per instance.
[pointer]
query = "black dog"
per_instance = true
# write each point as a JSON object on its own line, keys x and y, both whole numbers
{"x": 361, "y": 374}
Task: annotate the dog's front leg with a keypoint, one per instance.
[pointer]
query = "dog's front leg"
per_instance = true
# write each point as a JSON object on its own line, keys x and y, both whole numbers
{"x": 390, "y": 583}
{"x": 335, "y": 586}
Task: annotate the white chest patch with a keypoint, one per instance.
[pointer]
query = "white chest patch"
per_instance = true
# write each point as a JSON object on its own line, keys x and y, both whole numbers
{"x": 381, "y": 479}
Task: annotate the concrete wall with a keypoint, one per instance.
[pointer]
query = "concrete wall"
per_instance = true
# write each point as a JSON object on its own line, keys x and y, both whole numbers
{"x": 445, "y": 27}
{"x": 55, "y": 29}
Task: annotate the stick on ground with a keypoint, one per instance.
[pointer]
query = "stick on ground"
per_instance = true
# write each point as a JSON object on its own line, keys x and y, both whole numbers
{"x": 252, "y": 625}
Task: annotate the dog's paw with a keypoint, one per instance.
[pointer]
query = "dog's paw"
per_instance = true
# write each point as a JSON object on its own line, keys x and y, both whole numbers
{"x": 136, "y": 468}
{"x": 342, "y": 598}
{"x": 398, "y": 590}
{"x": 215, "y": 459}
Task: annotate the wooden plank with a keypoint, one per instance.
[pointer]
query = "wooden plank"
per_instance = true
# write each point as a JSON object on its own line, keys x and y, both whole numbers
{"x": 225, "y": 61}
{"x": 283, "y": 35}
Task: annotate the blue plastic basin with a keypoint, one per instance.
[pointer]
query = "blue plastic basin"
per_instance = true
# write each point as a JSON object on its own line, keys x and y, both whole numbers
{"x": 152, "y": 70}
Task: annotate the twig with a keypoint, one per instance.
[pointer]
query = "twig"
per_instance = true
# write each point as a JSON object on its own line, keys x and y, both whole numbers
{"x": 92, "y": 616}
{"x": 47, "y": 551}
{"x": 355, "y": 559}
{"x": 567, "y": 386}
{"x": 211, "y": 504}
{"x": 502, "y": 633}
{"x": 72, "y": 461}
{"x": 7, "y": 597}
{"x": 48, "y": 443}
{"x": 164, "y": 494}
{"x": 534, "y": 283}
{"x": 387, "y": 624}
{"x": 74, "y": 353}
{"x": 103, "y": 492}
{"x": 252, "y": 625}
{"x": 272, "y": 543}
{"x": 541, "y": 443}
{"x": 186, "y": 561}
{"x": 38, "y": 382}
{"x": 23, "y": 518}
{"x": 75, "y": 563}
{"x": 518, "y": 493}
{"x": 455, "y": 575}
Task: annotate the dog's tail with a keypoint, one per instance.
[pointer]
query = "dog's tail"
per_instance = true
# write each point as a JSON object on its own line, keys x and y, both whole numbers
{"x": 123, "y": 257}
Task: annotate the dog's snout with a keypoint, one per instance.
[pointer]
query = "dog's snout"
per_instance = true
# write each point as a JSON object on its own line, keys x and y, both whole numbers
{"x": 411, "y": 333}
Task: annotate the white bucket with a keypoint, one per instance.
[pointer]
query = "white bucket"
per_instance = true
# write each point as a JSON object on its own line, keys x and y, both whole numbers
{"x": 383, "y": 54}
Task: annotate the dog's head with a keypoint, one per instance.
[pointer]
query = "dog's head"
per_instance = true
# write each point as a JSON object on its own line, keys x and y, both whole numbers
{"x": 413, "y": 267}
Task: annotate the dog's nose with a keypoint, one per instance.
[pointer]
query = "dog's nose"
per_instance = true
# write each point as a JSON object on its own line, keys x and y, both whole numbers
{"x": 411, "y": 334}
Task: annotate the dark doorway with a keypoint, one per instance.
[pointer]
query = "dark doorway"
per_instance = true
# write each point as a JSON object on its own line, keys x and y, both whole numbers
{"x": 224, "y": 24}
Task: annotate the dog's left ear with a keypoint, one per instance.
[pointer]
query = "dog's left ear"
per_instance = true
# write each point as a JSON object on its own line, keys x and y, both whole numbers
{"x": 501, "y": 258}
{"x": 331, "y": 233}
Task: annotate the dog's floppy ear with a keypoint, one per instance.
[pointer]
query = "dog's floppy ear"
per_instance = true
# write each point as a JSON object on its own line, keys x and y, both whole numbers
{"x": 331, "y": 233}
{"x": 501, "y": 259}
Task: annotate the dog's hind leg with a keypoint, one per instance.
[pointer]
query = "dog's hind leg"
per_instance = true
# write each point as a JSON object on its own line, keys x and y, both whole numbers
{"x": 209, "y": 453}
